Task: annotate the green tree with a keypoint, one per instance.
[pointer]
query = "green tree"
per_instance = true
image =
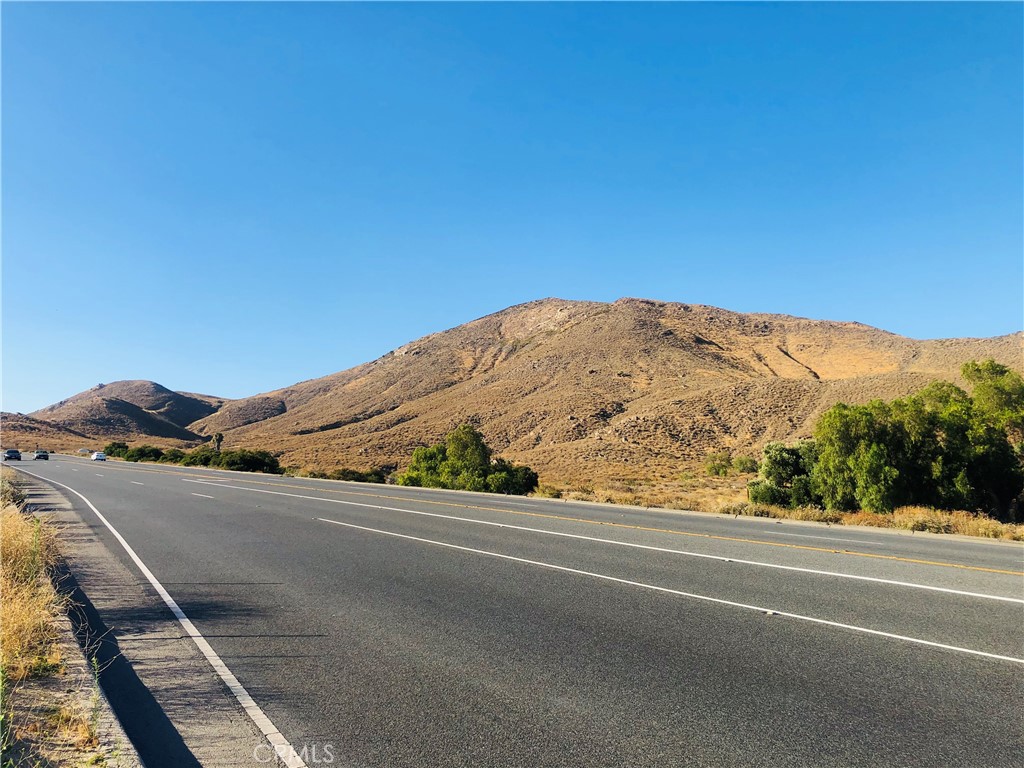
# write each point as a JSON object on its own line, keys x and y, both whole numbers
{"x": 785, "y": 475}
{"x": 934, "y": 448}
{"x": 425, "y": 469}
{"x": 998, "y": 395}
{"x": 466, "y": 452}
{"x": 463, "y": 462}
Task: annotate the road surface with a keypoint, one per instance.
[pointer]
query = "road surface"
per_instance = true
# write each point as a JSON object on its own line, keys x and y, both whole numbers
{"x": 406, "y": 627}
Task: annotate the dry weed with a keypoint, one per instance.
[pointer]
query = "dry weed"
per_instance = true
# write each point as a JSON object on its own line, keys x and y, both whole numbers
{"x": 28, "y": 555}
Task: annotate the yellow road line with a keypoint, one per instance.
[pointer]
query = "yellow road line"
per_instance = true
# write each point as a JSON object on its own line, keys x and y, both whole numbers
{"x": 649, "y": 529}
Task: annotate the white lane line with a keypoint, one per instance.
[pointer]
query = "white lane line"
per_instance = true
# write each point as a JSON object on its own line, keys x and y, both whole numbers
{"x": 136, "y": 482}
{"x": 680, "y": 593}
{"x": 282, "y": 748}
{"x": 203, "y": 495}
{"x": 73, "y": 469}
{"x": 683, "y": 552}
{"x": 98, "y": 475}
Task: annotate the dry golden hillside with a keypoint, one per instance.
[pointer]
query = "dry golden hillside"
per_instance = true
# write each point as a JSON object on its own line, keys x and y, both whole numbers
{"x": 589, "y": 392}
{"x": 131, "y": 410}
{"x": 26, "y": 433}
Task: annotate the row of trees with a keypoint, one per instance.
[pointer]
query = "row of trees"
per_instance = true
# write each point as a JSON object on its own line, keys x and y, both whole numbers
{"x": 940, "y": 447}
{"x": 241, "y": 460}
{"x": 463, "y": 462}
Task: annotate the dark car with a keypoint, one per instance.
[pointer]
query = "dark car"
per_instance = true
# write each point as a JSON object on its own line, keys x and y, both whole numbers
{"x": 12, "y": 454}
{"x": 41, "y": 455}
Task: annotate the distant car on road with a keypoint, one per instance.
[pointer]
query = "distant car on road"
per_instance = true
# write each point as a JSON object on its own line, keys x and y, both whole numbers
{"x": 12, "y": 454}
{"x": 45, "y": 455}
{"x": 99, "y": 456}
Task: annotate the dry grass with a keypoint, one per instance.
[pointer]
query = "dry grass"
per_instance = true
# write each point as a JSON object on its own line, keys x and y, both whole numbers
{"x": 748, "y": 509}
{"x": 47, "y": 718}
{"x": 73, "y": 724}
{"x": 9, "y": 491}
{"x": 687, "y": 491}
{"x": 727, "y": 496}
{"x": 28, "y": 557}
{"x": 29, "y": 613}
{"x": 963, "y": 523}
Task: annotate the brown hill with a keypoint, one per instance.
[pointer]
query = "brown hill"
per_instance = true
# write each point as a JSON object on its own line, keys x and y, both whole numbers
{"x": 131, "y": 409}
{"x": 585, "y": 391}
{"x": 26, "y": 433}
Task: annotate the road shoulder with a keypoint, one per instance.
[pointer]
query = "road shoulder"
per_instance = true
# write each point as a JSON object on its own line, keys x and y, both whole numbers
{"x": 171, "y": 704}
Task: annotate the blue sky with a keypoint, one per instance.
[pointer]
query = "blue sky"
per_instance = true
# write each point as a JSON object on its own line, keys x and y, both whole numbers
{"x": 230, "y": 198}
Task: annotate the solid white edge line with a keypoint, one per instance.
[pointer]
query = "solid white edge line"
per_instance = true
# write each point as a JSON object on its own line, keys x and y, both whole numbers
{"x": 680, "y": 593}
{"x": 686, "y": 553}
{"x": 283, "y": 749}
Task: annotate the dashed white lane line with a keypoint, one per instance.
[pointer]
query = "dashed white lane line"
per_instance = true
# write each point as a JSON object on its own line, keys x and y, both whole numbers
{"x": 136, "y": 482}
{"x": 203, "y": 495}
{"x": 680, "y": 593}
{"x": 98, "y": 475}
{"x": 650, "y": 548}
{"x": 282, "y": 748}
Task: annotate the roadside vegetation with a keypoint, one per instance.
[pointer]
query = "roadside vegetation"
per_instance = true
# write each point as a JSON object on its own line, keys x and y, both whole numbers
{"x": 941, "y": 460}
{"x": 463, "y": 462}
{"x": 240, "y": 460}
{"x": 41, "y": 720}
{"x": 376, "y": 475}
{"x": 940, "y": 448}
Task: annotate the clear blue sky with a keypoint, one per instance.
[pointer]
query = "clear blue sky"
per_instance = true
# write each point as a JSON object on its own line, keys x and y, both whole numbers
{"x": 230, "y": 198}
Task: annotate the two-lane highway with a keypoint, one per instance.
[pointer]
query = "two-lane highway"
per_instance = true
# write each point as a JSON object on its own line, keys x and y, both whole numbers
{"x": 409, "y": 627}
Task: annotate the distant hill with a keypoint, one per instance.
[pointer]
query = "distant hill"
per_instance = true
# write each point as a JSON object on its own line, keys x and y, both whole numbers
{"x": 131, "y": 410}
{"x": 581, "y": 391}
{"x": 20, "y": 431}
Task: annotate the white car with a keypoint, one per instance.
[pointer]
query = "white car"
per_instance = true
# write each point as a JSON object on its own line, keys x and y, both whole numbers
{"x": 99, "y": 456}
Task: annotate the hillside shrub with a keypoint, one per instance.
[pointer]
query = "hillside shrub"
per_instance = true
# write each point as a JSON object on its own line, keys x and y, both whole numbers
{"x": 243, "y": 460}
{"x": 117, "y": 449}
{"x": 173, "y": 456}
{"x": 745, "y": 465}
{"x": 143, "y": 453}
{"x": 203, "y": 456}
{"x": 718, "y": 464}
{"x": 376, "y": 475}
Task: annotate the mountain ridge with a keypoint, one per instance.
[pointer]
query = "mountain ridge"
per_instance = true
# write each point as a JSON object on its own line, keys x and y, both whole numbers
{"x": 583, "y": 390}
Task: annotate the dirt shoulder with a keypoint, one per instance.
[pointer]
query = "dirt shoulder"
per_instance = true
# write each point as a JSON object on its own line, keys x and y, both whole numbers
{"x": 54, "y": 710}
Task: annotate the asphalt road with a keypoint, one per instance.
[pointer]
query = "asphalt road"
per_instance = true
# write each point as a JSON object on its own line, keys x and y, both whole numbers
{"x": 403, "y": 627}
